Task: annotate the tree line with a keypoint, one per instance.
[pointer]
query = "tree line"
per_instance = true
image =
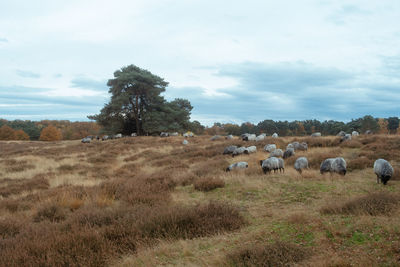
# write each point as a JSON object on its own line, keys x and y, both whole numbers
{"x": 307, "y": 127}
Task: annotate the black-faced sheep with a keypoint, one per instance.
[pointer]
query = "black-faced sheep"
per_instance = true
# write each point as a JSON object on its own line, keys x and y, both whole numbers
{"x": 346, "y": 137}
{"x": 237, "y": 165}
{"x": 300, "y": 164}
{"x": 288, "y": 153}
{"x": 269, "y": 164}
{"x": 229, "y": 149}
{"x": 164, "y": 134}
{"x": 105, "y": 137}
{"x": 250, "y": 149}
{"x": 337, "y": 165}
{"x": 341, "y": 133}
{"x": 270, "y": 147}
{"x": 383, "y": 170}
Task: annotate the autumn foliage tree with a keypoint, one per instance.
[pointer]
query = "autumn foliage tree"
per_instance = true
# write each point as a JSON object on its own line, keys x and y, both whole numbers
{"x": 50, "y": 133}
{"x": 7, "y": 133}
{"x": 21, "y": 135}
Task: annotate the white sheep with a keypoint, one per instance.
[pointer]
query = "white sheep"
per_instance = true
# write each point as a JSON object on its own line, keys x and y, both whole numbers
{"x": 250, "y": 149}
{"x": 270, "y": 147}
{"x": 274, "y": 135}
{"x": 276, "y": 153}
{"x": 270, "y": 164}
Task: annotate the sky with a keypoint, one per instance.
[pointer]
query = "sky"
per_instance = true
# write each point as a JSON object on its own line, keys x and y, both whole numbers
{"x": 235, "y": 61}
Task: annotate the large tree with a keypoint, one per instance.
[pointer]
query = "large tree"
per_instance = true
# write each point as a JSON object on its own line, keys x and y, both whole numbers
{"x": 136, "y": 104}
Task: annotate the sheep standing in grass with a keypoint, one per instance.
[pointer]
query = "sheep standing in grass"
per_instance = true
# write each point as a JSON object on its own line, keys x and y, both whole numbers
{"x": 317, "y": 134}
{"x": 86, "y": 140}
{"x": 303, "y": 146}
{"x": 355, "y": 133}
{"x": 337, "y": 165}
{"x": 269, "y": 164}
{"x": 260, "y": 137}
{"x": 215, "y": 137}
{"x": 270, "y": 147}
{"x": 346, "y": 137}
{"x": 276, "y": 153}
{"x": 288, "y": 153}
{"x": 300, "y": 164}
{"x": 341, "y": 133}
{"x": 238, "y": 151}
{"x": 237, "y": 165}
{"x": 250, "y": 149}
{"x": 229, "y": 149}
{"x": 274, "y": 135}
{"x": 383, "y": 170}
{"x": 281, "y": 165}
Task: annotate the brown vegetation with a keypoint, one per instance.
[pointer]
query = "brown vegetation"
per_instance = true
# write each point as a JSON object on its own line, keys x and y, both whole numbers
{"x": 208, "y": 183}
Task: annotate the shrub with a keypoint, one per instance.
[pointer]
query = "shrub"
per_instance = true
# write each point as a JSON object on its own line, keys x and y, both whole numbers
{"x": 360, "y": 163}
{"x": 50, "y": 212}
{"x": 9, "y": 227}
{"x": 276, "y": 254}
{"x": 208, "y": 183}
{"x": 374, "y": 204}
{"x": 50, "y": 133}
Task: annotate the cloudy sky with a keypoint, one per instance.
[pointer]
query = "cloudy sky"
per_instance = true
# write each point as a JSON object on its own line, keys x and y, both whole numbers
{"x": 234, "y": 60}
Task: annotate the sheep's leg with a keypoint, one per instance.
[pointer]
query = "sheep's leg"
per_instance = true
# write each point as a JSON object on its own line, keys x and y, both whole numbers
{"x": 377, "y": 179}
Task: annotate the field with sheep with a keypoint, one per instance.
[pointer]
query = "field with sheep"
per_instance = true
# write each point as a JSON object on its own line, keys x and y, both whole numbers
{"x": 151, "y": 201}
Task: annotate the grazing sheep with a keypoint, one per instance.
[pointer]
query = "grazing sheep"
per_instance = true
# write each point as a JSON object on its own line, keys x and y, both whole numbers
{"x": 303, "y": 146}
{"x": 300, "y": 164}
{"x": 185, "y": 142}
{"x": 331, "y": 165}
{"x": 288, "y": 153}
{"x": 345, "y": 138}
{"x": 275, "y": 135}
{"x": 229, "y": 137}
{"x": 355, "y": 133}
{"x": 105, "y": 137}
{"x": 276, "y": 153}
{"x": 269, "y": 164}
{"x": 317, "y": 134}
{"x": 281, "y": 165}
{"x": 270, "y": 147}
{"x": 237, "y": 165}
{"x": 174, "y": 134}
{"x": 250, "y": 149}
{"x": 248, "y": 137}
{"x": 341, "y": 133}
{"x": 260, "y": 137}
{"x": 118, "y": 136}
{"x": 215, "y": 137}
{"x": 133, "y": 134}
{"x": 238, "y": 151}
{"x": 188, "y": 134}
{"x": 164, "y": 134}
{"x": 368, "y": 132}
{"x": 86, "y": 140}
{"x": 383, "y": 170}
{"x": 229, "y": 149}
{"x": 290, "y": 145}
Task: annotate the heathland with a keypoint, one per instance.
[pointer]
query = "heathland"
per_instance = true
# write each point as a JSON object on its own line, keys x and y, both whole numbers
{"x": 148, "y": 201}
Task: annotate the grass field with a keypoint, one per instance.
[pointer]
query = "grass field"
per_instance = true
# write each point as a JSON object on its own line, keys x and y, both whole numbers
{"x": 149, "y": 201}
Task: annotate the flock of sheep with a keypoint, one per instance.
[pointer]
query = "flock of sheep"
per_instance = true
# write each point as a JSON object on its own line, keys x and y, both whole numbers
{"x": 275, "y": 162}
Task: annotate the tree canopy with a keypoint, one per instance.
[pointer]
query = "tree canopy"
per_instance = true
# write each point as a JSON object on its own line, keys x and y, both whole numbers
{"x": 136, "y": 105}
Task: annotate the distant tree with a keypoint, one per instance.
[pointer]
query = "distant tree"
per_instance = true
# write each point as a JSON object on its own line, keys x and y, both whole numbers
{"x": 393, "y": 124}
{"x": 231, "y": 128}
{"x": 21, "y": 135}
{"x": 136, "y": 104}
{"x": 196, "y": 127}
{"x": 383, "y": 126}
{"x": 7, "y": 133}
{"x": 300, "y": 129}
{"x": 50, "y": 133}
{"x": 369, "y": 123}
{"x": 265, "y": 126}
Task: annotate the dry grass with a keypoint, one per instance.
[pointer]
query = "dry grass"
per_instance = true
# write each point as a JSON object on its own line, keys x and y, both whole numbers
{"x": 277, "y": 254}
{"x": 374, "y": 204}
{"x": 142, "y": 202}
{"x": 206, "y": 184}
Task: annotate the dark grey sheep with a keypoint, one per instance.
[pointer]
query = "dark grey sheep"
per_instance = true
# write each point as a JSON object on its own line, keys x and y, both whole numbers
{"x": 269, "y": 164}
{"x": 237, "y": 165}
{"x": 300, "y": 164}
{"x": 341, "y": 133}
{"x": 337, "y": 165}
{"x": 346, "y": 137}
{"x": 383, "y": 170}
{"x": 238, "y": 151}
{"x": 229, "y": 149}
{"x": 86, "y": 140}
{"x": 288, "y": 153}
